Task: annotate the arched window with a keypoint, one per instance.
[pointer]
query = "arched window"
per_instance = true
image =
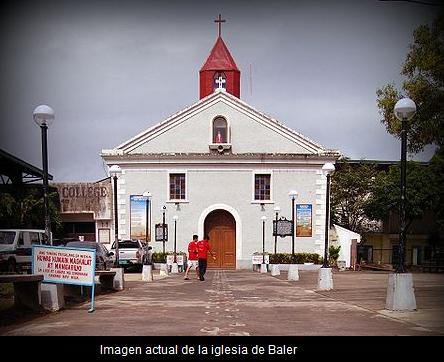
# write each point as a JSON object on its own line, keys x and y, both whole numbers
{"x": 220, "y": 134}
{"x": 219, "y": 81}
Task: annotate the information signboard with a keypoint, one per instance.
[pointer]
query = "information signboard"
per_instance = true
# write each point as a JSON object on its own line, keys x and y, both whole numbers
{"x": 282, "y": 227}
{"x": 179, "y": 259}
{"x": 64, "y": 265}
{"x": 159, "y": 232}
{"x": 257, "y": 259}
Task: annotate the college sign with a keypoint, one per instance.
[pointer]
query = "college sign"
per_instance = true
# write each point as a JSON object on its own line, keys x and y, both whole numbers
{"x": 86, "y": 197}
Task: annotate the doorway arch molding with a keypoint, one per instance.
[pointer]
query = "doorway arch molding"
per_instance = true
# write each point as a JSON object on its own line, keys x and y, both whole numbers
{"x": 234, "y": 213}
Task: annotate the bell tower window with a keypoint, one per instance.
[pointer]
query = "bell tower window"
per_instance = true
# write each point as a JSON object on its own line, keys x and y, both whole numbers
{"x": 220, "y": 130}
{"x": 219, "y": 81}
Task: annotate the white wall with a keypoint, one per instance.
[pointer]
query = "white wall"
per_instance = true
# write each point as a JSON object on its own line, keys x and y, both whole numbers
{"x": 195, "y": 133}
{"x": 209, "y": 186}
{"x": 345, "y": 237}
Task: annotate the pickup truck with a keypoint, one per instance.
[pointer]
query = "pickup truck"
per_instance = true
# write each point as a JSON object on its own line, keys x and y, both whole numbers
{"x": 131, "y": 253}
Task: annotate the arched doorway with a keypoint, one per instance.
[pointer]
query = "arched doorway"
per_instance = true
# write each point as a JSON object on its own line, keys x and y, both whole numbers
{"x": 221, "y": 227}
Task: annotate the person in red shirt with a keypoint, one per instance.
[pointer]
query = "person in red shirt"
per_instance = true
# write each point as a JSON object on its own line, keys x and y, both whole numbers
{"x": 203, "y": 248}
{"x": 192, "y": 257}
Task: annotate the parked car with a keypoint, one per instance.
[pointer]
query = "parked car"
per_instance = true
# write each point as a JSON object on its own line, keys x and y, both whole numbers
{"x": 62, "y": 242}
{"x": 131, "y": 253}
{"x": 104, "y": 260}
{"x": 16, "y": 248}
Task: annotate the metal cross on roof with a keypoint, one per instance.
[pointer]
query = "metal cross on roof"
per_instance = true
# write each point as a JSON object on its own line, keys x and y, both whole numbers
{"x": 220, "y": 21}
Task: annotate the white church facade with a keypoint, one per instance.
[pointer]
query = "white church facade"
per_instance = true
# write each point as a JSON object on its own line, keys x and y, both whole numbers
{"x": 220, "y": 165}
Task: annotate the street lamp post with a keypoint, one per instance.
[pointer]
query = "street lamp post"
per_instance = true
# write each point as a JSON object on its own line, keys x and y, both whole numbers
{"x": 276, "y": 210}
{"x": 293, "y": 194}
{"x": 175, "y": 217}
{"x": 263, "y": 218}
{"x": 327, "y": 170}
{"x": 325, "y": 278}
{"x": 44, "y": 115}
{"x": 147, "y": 196}
{"x": 163, "y": 228}
{"x": 115, "y": 171}
{"x": 405, "y": 109}
{"x": 400, "y": 291}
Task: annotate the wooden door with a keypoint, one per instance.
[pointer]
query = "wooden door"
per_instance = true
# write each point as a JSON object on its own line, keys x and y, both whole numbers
{"x": 221, "y": 228}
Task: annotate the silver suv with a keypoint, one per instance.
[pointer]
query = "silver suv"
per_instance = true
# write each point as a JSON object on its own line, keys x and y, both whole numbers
{"x": 131, "y": 253}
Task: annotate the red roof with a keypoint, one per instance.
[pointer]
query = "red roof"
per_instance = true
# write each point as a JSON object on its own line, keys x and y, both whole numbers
{"x": 220, "y": 58}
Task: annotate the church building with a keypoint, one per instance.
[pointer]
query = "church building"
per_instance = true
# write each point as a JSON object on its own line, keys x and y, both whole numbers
{"x": 218, "y": 167}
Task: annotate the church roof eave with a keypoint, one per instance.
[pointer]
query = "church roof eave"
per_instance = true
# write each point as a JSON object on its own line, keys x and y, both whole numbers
{"x": 331, "y": 155}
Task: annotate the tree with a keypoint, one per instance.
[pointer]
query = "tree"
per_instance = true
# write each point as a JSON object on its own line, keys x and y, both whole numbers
{"x": 421, "y": 192}
{"x": 351, "y": 188}
{"x": 424, "y": 70}
{"x": 23, "y": 208}
{"x": 436, "y": 169}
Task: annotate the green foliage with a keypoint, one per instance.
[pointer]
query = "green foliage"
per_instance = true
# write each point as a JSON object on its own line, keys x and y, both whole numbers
{"x": 436, "y": 170}
{"x": 333, "y": 254}
{"x": 301, "y": 258}
{"x": 160, "y": 257}
{"x": 424, "y": 70}
{"x": 350, "y": 191}
{"x": 6, "y": 207}
{"x": 25, "y": 209}
{"x": 421, "y": 191}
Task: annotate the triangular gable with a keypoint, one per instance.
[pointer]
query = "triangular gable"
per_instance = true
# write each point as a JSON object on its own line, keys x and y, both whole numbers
{"x": 157, "y": 130}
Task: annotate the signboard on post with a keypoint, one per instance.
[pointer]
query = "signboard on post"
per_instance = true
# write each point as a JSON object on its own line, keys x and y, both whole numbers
{"x": 159, "y": 232}
{"x": 257, "y": 259}
{"x": 138, "y": 217}
{"x": 282, "y": 227}
{"x": 179, "y": 259}
{"x": 304, "y": 220}
{"x": 65, "y": 266}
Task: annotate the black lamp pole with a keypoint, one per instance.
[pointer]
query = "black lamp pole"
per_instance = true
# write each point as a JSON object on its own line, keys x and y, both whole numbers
{"x": 327, "y": 222}
{"x": 147, "y": 223}
{"x": 116, "y": 224}
{"x": 43, "y": 115}
{"x": 263, "y": 241}
{"x": 275, "y": 235}
{"x": 175, "y": 232}
{"x": 293, "y": 230}
{"x": 163, "y": 230}
{"x": 146, "y": 220}
{"x": 402, "y": 234}
{"x": 44, "y": 129}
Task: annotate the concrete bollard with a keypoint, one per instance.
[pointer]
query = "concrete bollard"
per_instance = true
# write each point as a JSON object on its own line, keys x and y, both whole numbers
{"x": 119, "y": 279}
{"x": 293, "y": 272}
{"x": 275, "y": 270}
{"x": 264, "y": 268}
{"x": 147, "y": 273}
{"x": 163, "y": 269}
{"x": 53, "y": 297}
{"x": 400, "y": 292}
{"x": 325, "y": 279}
{"x": 174, "y": 269}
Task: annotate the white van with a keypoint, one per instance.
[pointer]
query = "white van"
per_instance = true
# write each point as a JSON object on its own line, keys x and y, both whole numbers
{"x": 16, "y": 248}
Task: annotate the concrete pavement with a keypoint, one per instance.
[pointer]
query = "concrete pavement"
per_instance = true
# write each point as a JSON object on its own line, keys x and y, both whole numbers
{"x": 238, "y": 303}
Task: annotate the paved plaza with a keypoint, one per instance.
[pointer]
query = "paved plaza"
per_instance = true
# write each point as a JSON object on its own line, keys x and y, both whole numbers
{"x": 247, "y": 303}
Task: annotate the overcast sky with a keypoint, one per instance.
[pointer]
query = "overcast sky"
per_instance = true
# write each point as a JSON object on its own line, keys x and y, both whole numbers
{"x": 111, "y": 69}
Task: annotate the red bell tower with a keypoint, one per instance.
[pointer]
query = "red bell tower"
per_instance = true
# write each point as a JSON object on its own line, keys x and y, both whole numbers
{"x": 220, "y": 70}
